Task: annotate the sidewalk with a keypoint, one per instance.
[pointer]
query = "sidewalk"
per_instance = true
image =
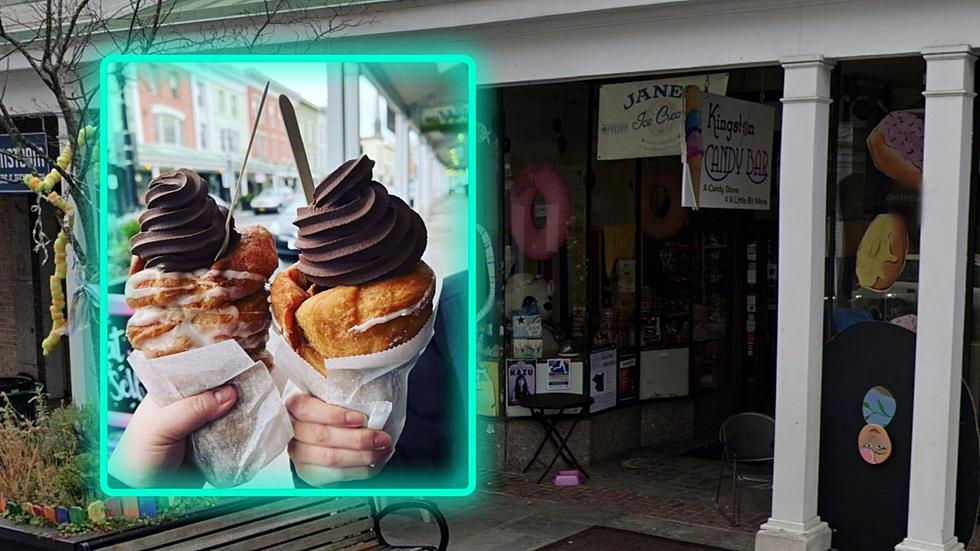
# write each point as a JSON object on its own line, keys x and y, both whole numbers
{"x": 650, "y": 491}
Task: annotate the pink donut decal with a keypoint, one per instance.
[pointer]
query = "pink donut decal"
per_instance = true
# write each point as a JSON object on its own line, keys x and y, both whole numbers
{"x": 540, "y": 243}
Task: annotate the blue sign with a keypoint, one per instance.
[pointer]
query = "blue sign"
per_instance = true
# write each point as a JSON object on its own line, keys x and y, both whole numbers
{"x": 16, "y": 161}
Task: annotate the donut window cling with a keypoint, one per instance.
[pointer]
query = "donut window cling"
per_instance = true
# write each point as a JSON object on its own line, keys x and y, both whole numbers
{"x": 540, "y": 243}
{"x": 881, "y": 252}
{"x": 896, "y": 147}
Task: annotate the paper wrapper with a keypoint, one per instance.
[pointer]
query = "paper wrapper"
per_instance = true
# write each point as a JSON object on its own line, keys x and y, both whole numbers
{"x": 231, "y": 449}
{"x": 374, "y": 384}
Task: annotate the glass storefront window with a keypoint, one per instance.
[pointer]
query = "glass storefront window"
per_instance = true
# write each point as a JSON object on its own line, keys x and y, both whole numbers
{"x": 613, "y": 235}
{"x": 545, "y": 152}
{"x": 874, "y": 198}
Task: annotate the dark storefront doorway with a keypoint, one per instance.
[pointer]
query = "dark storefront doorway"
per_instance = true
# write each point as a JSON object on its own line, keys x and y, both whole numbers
{"x": 24, "y": 299}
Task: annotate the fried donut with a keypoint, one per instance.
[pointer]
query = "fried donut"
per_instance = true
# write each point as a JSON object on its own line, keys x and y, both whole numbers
{"x": 240, "y": 273}
{"x": 350, "y": 320}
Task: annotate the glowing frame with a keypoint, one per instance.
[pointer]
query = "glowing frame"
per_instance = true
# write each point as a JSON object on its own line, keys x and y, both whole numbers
{"x": 104, "y": 284}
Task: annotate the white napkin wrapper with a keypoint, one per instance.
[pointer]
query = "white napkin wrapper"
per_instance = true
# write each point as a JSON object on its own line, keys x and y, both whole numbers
{"x": 232, "y": 449}
{"x": 374, "y": 384}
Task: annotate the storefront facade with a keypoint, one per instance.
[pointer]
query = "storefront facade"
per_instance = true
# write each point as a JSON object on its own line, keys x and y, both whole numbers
{"x": 814, "y": 47}
{"x": 543, "y": 61}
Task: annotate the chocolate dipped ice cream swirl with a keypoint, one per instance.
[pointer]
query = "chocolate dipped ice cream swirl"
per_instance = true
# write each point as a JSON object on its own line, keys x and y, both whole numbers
{"x": 355, "y": 232}
{"x": 182, "y": 229}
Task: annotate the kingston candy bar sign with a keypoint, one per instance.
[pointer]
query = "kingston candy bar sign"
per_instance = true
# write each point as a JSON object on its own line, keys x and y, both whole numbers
{"x": 736, "y": 169}
{"x": 646, "y": 118}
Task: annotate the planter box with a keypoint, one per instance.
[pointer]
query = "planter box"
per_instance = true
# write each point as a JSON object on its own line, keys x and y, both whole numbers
{"x": 33, "y": 538}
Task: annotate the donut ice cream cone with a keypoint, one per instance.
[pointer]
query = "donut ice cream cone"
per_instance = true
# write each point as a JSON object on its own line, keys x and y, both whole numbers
{"x": 693, "y": 138}
{"x": 360, "y": 286}
{"x": 181, "y": 295}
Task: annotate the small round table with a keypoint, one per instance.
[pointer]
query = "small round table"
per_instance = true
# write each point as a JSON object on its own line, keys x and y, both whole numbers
{"x": 560, "y": 401}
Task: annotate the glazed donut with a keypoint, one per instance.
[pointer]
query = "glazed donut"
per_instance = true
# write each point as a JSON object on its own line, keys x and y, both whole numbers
{"x": 539, "y": 243}
{"x": 162, "y": 331}
{"x": 663, "y": 216}
{"x": 178, "y": 311}
{"x": 881, "y": 253}
{"x": 241, "y": 273}
{"x": 896, "y": 147}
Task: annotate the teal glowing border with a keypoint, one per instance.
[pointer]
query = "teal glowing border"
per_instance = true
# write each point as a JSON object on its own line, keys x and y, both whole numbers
{"x": 104, "y": 284}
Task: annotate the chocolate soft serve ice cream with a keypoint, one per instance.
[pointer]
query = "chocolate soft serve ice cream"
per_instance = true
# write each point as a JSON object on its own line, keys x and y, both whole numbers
{"x": 355, "y": 232}
{"x": 360, "y": 285}
{"x": 182, "y": 295}
{"x": 182, "y": 229}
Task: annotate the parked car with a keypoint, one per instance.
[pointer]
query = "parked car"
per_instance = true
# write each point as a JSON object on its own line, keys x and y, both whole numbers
{"x": 284, "y": 231}
{"x": 270, "y": 200}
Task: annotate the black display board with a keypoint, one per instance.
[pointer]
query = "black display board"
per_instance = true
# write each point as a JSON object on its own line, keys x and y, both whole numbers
{"x": 867, "y": 505}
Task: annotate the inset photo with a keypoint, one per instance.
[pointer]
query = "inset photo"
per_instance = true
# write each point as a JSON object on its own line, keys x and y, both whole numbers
{"x": 285, "y": 268}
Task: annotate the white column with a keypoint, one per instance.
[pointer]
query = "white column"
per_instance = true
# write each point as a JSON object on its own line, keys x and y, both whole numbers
{"x": 422, "y": 184}
{"x": 794, "y": 524}
{"x": 438, "y": 183}
{"x": 401, "y": 156}
{"x": 335, "y": 154}
{"x": 943, "y": 266}
{"x": 352, "y": 111}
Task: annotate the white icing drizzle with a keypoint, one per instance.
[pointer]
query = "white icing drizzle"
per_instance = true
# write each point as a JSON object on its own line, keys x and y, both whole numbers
{"x": 411, "y": 310}
{"x": 198, "y": 336}
{"x": 201, "y": 284}
{"x": 148, "y": 315}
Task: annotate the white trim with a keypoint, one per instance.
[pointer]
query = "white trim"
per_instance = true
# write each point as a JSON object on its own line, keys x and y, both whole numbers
{"x": 351, "y": 108}
{"x": 157, "y": 109}
{"x": 135, "y": 109}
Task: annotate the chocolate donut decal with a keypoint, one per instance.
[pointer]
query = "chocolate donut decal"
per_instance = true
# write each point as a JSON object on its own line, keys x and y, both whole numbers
{"x": 662, "y": 215}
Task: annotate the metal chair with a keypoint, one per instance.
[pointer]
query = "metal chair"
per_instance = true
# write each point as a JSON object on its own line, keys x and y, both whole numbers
{"x": 746, "y": 439}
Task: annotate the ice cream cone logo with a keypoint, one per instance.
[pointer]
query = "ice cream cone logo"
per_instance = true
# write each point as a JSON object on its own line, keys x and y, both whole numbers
{"x": 694, "y": 152}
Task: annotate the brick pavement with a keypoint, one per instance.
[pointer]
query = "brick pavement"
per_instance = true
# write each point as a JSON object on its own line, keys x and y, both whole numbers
{"x": 647, "y": 483}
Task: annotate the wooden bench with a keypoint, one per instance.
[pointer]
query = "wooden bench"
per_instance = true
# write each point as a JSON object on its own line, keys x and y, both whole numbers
{"x": 291, "y": 524}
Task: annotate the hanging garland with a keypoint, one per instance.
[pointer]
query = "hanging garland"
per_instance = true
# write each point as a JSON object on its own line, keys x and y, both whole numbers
{"x": 44, "y": 187}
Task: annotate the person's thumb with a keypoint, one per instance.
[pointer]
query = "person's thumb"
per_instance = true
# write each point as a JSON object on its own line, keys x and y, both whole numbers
{"x": 183, "y": 417}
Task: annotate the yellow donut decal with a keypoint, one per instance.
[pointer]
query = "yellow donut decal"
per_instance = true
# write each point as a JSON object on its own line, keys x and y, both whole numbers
{"x": 881, "y": 253}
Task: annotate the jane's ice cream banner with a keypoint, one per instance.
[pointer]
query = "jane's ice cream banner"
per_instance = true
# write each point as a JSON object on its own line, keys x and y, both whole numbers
{"x": 646, "y": 118}
{"x": 727, "y": 153}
